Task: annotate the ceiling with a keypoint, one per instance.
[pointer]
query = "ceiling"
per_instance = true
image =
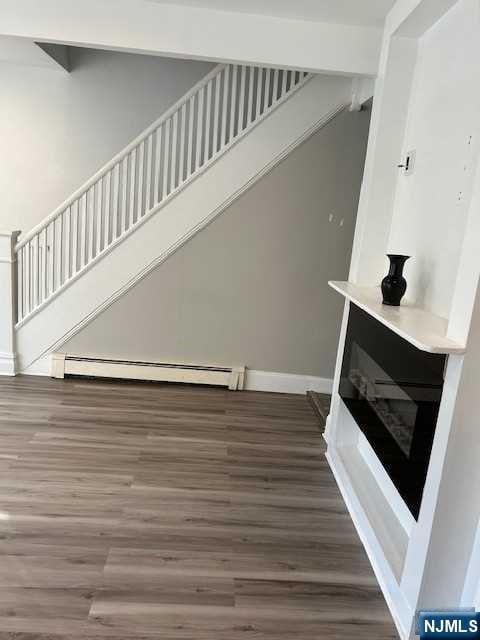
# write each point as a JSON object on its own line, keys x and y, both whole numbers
{"x": 352, "y": 12}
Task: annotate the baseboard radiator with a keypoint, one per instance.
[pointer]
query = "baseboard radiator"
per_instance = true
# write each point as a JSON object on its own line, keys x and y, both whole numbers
{"x": 231, "y": 377}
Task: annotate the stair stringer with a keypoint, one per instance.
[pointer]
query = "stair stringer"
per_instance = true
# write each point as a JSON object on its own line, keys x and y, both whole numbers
{"x": 183, "y": 216}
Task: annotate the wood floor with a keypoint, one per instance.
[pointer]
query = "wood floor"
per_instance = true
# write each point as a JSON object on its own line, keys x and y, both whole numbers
{"x": 178, "y": 513}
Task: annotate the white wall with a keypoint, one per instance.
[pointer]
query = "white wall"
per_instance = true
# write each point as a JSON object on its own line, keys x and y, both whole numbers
{"x": 392, "y": 91}
{"x": 20, "y": 51}
{"x": 430, "y": 206}
{"x": 252, "y": 287}
{"x": 427, "y": 98}
{"x": 457, "y": 510}
{"x": 57, "y": 129}
{"x": 471, "y": 590}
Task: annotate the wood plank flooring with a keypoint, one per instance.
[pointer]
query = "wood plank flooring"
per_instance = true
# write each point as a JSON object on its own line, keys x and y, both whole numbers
{"x": 133, "y": 511}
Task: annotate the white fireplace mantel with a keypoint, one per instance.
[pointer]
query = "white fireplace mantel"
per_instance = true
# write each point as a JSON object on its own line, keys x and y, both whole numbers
{"x": 423, "y": 329}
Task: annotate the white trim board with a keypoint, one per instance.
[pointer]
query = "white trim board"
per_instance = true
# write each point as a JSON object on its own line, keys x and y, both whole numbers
{"x": 7, "y": 364}
{"x": 286, "y": 382}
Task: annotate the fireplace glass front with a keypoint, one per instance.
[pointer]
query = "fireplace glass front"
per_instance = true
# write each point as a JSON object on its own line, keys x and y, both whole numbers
{"x": 393, "y": 391}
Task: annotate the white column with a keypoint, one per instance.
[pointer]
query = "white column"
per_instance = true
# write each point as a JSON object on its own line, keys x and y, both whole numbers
{"x": 8, "y": 302}
{"x": 451, "y": 530}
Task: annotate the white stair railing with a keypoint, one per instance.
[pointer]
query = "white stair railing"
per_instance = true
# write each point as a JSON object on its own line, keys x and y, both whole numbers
{"x": 213, "y": 115}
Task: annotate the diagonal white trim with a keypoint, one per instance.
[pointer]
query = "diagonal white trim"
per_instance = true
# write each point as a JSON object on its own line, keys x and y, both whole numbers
{"x": 323, "y": 121}
{"x": 196, "y": 174}
{"x": 195, "y": 207}
{"x": 41, "y": 367}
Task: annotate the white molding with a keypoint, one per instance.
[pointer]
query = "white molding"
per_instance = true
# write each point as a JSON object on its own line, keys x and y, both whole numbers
{"x": 272, "y": 381}
{"x": 7, "y": 364}
{"x": 285, "y": 382}
{"x": 8, "y": 288}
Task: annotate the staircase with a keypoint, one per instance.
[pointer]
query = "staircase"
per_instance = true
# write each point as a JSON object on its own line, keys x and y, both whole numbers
{"x": 167, "y": 184}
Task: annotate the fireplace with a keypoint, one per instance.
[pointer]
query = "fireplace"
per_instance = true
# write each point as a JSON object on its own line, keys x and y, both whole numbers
{"x": 393, "y": 391}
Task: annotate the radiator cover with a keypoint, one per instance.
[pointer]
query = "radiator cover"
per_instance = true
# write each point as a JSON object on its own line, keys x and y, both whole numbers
{"x": 64, "y": 364}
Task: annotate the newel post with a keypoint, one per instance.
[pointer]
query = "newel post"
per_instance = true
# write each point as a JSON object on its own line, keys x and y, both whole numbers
{"x": 8, "y": 305}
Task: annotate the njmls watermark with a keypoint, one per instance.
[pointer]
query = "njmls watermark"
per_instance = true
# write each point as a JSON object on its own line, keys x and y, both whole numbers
{"x": 448, "y": 623}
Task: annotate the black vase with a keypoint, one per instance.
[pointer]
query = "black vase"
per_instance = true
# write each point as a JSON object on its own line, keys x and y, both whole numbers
{"x": 394, "y": 284}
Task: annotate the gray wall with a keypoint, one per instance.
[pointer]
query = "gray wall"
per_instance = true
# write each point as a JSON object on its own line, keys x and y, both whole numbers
{"x": 251, "y": 288}
{"x": 57, "y": 129}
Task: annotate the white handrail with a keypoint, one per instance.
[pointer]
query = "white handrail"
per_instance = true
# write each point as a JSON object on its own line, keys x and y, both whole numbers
{"x": 119, "y": 156}
{"x": 138, "y": 180}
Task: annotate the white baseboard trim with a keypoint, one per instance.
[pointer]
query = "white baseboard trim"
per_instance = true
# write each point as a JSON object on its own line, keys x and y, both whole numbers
{"x": 286, "y": 382}
{"x": 41, "y": 367}
{"x": 272, "y": 381}
{"x": 7, "y": 364}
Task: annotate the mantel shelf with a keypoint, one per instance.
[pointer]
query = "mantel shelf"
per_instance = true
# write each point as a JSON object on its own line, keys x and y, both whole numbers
{"x": 423, "y": 329}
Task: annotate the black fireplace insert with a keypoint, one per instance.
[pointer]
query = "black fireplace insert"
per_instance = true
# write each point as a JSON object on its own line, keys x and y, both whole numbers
{"x": 393, "y": 391}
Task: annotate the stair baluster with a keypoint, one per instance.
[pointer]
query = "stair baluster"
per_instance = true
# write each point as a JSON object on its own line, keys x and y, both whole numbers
{"x": 139, "y": 180}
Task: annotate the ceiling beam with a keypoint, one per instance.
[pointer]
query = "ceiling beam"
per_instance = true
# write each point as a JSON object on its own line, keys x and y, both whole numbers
{"x": 143, "y": 26}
